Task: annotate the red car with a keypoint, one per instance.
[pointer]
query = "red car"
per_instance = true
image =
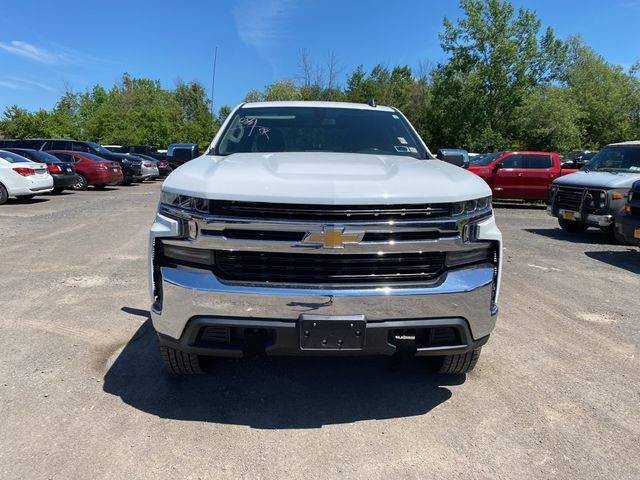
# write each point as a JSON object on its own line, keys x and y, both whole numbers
{"x": 519, "y": 175}
{"x": 91, "y": 169}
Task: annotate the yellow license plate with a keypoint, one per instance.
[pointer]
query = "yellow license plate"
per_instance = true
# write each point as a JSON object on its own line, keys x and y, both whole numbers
{"x": 569, "y": 216}
{"x": 636, "y": 233}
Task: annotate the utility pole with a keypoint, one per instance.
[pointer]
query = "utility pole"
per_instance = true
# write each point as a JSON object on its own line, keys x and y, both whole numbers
{"x": 213, "y": 80}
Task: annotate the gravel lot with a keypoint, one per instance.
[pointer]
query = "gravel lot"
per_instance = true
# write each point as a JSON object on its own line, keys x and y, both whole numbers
{"x": 83, "y": 394}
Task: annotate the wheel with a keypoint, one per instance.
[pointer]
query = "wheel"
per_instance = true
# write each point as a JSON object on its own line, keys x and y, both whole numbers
{"x": 619, "y": 238}
{"x": 180, "y": 363}
{"x": 460, "y": 363}
{"x": 57, "y": 190}
{"x": 80, "y": 183}
{"x": 617, "y": 235}
{"x": 4, "y": 196}
{"x": 572, "y": 226}
{"x": 99, "y": 187}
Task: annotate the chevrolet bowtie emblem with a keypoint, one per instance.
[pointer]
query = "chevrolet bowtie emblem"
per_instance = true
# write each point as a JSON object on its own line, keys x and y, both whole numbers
{"x": 332, "y": 237}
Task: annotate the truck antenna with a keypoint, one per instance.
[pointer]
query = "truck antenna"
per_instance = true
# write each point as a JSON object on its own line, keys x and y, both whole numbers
{"x": 213, "y": 79}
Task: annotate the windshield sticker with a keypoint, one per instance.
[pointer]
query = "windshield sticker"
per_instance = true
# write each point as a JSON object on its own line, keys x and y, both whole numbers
{"x": 395, "y": 116}
{"x": 402, "y": 148}
{"x": 253, "y": 123}
{"x": 413, "y": 149}
{"x": 402, "y": 140}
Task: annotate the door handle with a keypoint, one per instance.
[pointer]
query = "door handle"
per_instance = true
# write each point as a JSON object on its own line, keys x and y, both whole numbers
{"x": 520, "y": 174}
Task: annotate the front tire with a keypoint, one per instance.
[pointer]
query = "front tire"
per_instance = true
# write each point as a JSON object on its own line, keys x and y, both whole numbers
{"x": 180, "y": 363}
{"x": 572, "y": 226}
{"x": 618, "y": 236}
{"x": 80, "y": 183}
{"x": 4, "y": 195}
{"x": 460, "y": 363}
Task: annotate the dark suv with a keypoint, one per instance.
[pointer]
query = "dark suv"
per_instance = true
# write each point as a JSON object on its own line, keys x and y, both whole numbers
{"x": 131, "y": 166}
{"x": 627, "y": 226}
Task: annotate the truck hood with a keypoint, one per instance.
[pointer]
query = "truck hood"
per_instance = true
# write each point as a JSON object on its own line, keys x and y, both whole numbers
{"x": 324, "y": 178}
{"x": 598, "y": 179}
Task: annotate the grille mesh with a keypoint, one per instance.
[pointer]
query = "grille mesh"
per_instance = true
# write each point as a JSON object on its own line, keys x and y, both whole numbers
{"x": 329, "y": 269}
{"x": 282, "y": 211}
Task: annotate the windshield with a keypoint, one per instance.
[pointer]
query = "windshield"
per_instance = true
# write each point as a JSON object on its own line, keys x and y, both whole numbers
{"x": 616, "y": 159}
{"x": 485, "y": 158}
{"x": 12, "y": 157}
{"x": 98, "y": 148}
{"x": 319, "y": 129}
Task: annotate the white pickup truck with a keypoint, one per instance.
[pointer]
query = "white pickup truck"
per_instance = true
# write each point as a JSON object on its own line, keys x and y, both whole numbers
{"x": 320, "y": 228}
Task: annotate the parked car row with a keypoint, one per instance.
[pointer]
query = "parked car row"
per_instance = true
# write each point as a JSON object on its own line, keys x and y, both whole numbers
{"x": 39, "y": 165}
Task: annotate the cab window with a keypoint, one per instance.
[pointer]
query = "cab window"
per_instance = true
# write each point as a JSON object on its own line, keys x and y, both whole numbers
{"x": 538, "y": 161}
{"x": 513, "y": 161}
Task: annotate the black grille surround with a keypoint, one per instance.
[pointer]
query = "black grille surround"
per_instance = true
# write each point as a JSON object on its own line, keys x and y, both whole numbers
{"x": 275, "y": 235}
{"x": 576, "y": 199}
{"x": 328, "y": 213}
{"x": 305, "y": 268}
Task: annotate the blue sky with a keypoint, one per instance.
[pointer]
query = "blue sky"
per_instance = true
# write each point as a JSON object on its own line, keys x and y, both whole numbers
{"x": 47, "y": 46}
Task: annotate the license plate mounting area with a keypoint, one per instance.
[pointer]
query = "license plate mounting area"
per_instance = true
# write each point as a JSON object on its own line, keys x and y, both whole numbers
{"x": 332, "y": 333}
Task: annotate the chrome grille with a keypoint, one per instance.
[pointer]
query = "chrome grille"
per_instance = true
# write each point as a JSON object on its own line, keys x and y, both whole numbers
{"x": 333, "y": 269}
{"x": 398, "y": 244}
{"x": 335, "y": 213}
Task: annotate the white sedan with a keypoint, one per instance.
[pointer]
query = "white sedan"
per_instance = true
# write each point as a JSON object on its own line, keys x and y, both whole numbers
{"x": 22, "y": 178}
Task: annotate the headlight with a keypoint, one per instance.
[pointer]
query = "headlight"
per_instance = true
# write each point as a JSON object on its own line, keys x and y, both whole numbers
{"x": 186, "y": 202}
{"x": 471, "y": 206}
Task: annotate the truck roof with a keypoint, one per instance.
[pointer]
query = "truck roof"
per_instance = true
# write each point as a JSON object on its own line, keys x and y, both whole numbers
{"x": 358, "y": 106}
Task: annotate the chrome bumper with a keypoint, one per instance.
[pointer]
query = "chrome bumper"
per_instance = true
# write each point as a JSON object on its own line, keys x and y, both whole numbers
{"x": 590, "y": 219}
{"x": 464, "y": 293}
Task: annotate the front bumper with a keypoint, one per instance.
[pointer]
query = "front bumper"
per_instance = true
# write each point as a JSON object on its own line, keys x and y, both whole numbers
{"x": 462, "y": 299}
{"x": 194, "y": 300}
{"x": 589, "y": 219}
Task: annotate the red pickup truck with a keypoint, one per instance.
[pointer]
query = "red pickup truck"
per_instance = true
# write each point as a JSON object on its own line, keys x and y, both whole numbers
{"x": 519, "y": 175}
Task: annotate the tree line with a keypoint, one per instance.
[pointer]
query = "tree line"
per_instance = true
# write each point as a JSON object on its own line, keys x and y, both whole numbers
{"x": 506, "y": 84}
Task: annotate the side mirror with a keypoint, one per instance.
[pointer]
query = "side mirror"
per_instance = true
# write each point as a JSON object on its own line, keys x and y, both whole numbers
{"x": 455, "y": 156}
{"x": 498, "y": 166}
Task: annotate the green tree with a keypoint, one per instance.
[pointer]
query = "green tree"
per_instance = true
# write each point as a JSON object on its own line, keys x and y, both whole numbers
{"x": 496, "y": 59}
{"x": 607, "y": 96}
{"x": 550, "y": 119}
